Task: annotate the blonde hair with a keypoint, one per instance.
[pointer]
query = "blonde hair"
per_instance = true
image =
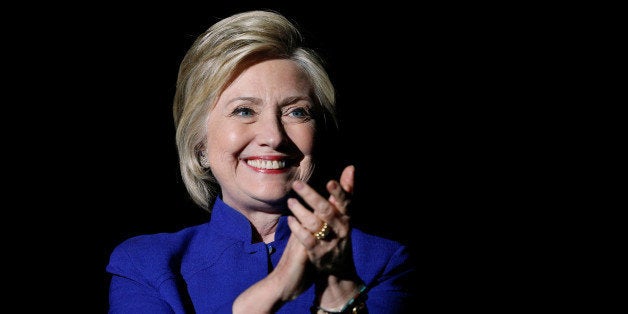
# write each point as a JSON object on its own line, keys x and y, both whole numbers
{"x": 215, "y": 58}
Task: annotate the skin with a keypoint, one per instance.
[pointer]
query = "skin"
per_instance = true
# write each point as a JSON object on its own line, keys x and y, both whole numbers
{"x": 263, "y": 117}
{"x": 264, "y": 114}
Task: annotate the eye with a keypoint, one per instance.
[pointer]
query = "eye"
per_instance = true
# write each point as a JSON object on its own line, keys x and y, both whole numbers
{"x": 243, "y": 112}
{"x": 299, "y": 113}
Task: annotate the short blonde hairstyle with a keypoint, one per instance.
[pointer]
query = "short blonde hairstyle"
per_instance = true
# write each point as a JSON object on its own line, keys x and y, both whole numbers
{"x": 217, "y": 57}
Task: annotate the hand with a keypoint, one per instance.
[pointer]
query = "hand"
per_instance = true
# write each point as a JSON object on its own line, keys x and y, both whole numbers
{"x": 286, "y": 282}
{"x": 332, "y": 253}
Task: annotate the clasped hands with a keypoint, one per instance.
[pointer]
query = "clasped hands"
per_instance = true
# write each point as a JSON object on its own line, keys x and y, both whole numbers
{"x": 319, "y": 245}
{"x": 324, "y": 230}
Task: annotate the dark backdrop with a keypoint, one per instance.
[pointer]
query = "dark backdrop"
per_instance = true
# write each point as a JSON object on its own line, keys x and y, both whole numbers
{"x": 418, "y": 89}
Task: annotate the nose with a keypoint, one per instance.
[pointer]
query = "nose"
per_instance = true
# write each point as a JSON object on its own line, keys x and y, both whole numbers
{"x": 270, "y": 131}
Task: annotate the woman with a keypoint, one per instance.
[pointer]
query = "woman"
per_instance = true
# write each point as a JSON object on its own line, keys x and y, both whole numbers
{"x": 251, "y": 108}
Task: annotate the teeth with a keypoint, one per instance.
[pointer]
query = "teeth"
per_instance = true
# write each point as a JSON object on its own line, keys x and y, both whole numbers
{"x": 266, "y": 164}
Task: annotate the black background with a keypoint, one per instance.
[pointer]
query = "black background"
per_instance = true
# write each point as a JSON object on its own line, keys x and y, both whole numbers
{"x": 427, "y": 98}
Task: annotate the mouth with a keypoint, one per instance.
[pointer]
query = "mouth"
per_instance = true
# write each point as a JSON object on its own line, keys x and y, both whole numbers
{"x": 266, "y": 164}
{"x": 269, "y": 164}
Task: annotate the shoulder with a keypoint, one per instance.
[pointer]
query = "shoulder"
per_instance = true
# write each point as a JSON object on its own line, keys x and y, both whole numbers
{"x": 376, "y": 252}
{"x": 151, "y": 257}
{"x": 369, "y": 242}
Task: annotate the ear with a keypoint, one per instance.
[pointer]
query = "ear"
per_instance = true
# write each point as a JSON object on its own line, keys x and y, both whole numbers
{"x": 202, "y": 158}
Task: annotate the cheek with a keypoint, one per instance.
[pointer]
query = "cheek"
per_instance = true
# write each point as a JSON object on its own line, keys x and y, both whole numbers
{"x": 224, "y": 143}
{"x": 303, "y": 138}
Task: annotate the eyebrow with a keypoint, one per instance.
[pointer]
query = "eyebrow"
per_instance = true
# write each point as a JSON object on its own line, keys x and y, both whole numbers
{"x": 293, "y": 99}
{"x": 287, "y": 101}
{"x": 250, "y": 99}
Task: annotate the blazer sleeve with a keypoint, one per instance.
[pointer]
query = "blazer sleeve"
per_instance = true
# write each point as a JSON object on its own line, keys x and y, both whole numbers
{"x": 136, "y": 288}
{"x": 388, "y": 269}
{"x": 392, "y": 291}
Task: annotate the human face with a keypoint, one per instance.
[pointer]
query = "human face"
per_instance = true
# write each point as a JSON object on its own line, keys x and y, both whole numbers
{"x": 260, "y": 135}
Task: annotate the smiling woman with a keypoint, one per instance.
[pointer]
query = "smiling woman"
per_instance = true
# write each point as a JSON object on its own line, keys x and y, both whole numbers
{"x": 252, "y": 110}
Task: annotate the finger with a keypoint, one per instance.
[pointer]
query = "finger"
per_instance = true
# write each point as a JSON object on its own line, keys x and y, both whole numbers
{"x": 308, "y": 220}
{"x": 323, "y": 208}
{"x": 303, "y": 235}
{"x": 347, "y": 178}
{"x": 337, "y": 196}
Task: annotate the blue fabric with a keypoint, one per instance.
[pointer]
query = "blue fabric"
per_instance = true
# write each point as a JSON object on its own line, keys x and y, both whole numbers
{"x": 203, "y": 268}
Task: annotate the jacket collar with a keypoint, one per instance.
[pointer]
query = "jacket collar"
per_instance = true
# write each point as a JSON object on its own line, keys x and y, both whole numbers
{"x": 227, "y": 227}
{"x": 230, "y": 223}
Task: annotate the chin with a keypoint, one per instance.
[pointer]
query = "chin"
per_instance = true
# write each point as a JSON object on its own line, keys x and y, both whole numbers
{"x": 273, "y": 194}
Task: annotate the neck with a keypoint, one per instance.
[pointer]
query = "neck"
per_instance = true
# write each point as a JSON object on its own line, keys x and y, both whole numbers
{"x": 264, "y": 225}
{"x": 263, "y": 216}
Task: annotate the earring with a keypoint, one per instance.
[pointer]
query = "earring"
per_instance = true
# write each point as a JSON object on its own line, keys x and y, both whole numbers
{"x": 203, "y": 160}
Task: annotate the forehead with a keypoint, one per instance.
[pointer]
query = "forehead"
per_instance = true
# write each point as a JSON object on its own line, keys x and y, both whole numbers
{"x": 276, "y": 75}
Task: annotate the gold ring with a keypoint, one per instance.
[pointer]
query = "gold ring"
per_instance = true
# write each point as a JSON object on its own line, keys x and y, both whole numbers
{"x": 323, "y": 233}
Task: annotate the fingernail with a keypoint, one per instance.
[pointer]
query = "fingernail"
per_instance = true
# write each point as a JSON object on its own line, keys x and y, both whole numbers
{"x": 291, "y": 202}
{"x": 333, "y": 185}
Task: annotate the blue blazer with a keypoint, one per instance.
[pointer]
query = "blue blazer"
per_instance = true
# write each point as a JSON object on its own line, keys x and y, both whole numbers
{"x": 203, "y": 268}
